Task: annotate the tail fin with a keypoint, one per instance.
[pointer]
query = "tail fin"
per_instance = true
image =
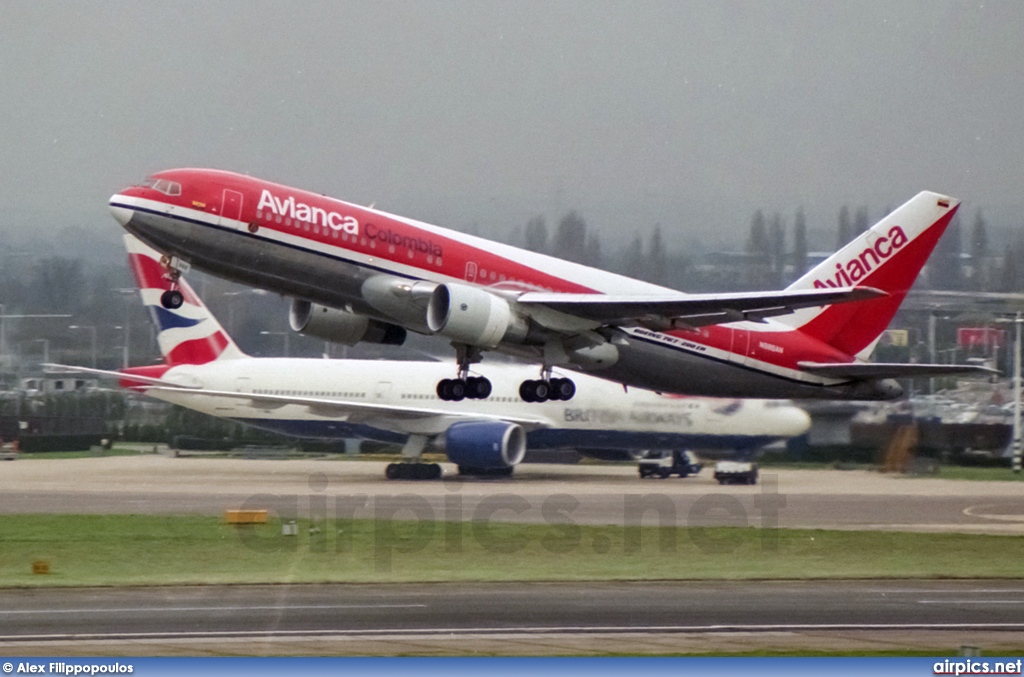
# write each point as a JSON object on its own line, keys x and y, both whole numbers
{"x": 189, "y": 334}
{"x": 888, "y": 256}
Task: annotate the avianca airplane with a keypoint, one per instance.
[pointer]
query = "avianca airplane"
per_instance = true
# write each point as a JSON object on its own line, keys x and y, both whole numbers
{"x": 395, "y": 402}
{"x": 360, "y": 274}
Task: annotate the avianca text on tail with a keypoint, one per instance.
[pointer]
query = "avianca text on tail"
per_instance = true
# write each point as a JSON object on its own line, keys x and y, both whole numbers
{"x": 849, "y": 273}
{"x": 360, "y": 274}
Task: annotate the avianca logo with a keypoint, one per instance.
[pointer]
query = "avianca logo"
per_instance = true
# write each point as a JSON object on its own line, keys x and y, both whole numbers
{"x": 304, "y": 212}
{"x": 857, "y": 268}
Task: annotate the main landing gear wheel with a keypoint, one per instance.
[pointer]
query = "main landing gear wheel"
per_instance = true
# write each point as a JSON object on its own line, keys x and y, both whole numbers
{"x": 456, "y": 389}
{"x": 172, "y": 299}
{"x": 543, "y": 390}
{"x": 465, "y": 386}
{"x": 413, "y": 471}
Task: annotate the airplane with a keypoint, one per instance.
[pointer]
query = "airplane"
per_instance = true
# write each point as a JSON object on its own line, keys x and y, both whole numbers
{"x": 360, "y": 274}
{"x": 395, "y": 402}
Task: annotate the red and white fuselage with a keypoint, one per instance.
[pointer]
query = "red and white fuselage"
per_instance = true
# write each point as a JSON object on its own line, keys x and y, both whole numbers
{"x": 388, "y": 268}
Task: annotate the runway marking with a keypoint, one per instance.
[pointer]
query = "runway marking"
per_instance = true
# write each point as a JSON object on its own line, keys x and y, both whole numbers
{"x": 957, "y": 591}
{"x": 157, "y": 609}
{"x": 454, "y": 632}
{"x": 970, "y": 512}
{"x": 970, "y": 601}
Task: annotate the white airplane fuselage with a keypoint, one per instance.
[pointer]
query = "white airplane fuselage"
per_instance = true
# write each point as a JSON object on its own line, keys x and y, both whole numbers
{"x": 603, "y": 415}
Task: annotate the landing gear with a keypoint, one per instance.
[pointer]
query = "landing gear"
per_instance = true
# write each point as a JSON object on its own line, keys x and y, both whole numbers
{"x": 413, "y": 471}
{"x": 454, "y": 390}
{"x": 465, "y": 386}
{"x": 411, "y": 468}
{"x": 172, "y": 299}
{"x": 547, "y": 389}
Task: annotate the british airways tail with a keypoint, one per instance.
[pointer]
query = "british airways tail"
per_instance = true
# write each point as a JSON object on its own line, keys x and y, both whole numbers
{"x": 189, "y": 334}
{"x": 888, "y": 257}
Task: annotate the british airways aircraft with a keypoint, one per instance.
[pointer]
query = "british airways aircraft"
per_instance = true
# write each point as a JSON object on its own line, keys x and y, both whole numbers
{"x": 359, "y": 274}
{"x": 395, "y": 402}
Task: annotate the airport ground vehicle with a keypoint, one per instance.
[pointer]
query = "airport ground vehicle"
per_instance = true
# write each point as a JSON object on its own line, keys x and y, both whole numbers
{"x": 681, "y": 463}
{"x": 736, "y": 472}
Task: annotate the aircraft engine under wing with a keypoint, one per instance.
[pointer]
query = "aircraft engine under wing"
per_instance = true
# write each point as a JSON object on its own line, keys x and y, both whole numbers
{"x": 692, "y": 310}
{"x": 881, "y": 370}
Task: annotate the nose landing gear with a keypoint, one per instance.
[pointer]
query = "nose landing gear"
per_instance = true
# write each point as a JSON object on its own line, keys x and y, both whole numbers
{"x": 172, "y": 299}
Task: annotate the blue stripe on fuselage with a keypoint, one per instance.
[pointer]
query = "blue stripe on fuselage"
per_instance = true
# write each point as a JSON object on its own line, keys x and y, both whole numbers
{"x": 538, "y": 439}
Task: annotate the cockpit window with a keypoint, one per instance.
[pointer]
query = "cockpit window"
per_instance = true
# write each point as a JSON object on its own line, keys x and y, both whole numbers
{"x": 163, "y": 185}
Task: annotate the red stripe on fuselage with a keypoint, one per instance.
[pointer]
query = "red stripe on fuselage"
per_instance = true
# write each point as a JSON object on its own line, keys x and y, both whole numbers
{"x": 457, "y": 259}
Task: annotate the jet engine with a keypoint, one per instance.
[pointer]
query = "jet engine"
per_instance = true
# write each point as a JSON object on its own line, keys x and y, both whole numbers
{"x": 341, "y": 326}
{"x": 485, "y": 445}
{"x": 474, "y": 316}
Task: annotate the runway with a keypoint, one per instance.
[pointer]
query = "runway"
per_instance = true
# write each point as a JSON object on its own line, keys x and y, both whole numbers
{"x": 514, "y": 618}
{"x": 350, "y": 618}
{"x": 600, "y": 494}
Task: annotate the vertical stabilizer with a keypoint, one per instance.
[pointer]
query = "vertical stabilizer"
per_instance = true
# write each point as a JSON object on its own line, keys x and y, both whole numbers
{"x": 888, "y": 256}
{"x": 189, "y": 334}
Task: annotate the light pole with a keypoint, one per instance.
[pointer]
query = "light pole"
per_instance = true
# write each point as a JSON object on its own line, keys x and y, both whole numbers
{"x": 123, "y": 346}
{"x": 1018, "y": 437}
{"x": 279, "y": 333}
{"x": 92, "y": 329}
{"x": 46, "y": 350}
{"x": 1017, "y": 446}
{"x": 127, "y": 294}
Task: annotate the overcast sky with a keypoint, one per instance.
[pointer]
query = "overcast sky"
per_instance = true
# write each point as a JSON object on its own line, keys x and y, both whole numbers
{"x": 688, "y": 113}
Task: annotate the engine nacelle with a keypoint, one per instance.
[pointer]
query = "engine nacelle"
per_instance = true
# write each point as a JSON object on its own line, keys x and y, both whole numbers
{"x": 400, "y": 299}
{"x": 485, "y": 445}
{"x": 474, "y": 316}
{"x": 341, "y": 326}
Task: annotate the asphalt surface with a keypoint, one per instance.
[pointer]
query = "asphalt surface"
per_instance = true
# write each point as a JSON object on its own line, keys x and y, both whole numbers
{"x": 448, "y": 613}
{"x": 814, "y": 499}
{"x": 513, "y": 619}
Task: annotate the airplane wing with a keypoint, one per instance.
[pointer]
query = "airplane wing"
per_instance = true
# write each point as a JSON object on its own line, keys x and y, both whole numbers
{"x": 119, "y": 375}
{"x": 877, "y": 370}
{"x": 693, "y": 310}
{"x": 352, "y": 411}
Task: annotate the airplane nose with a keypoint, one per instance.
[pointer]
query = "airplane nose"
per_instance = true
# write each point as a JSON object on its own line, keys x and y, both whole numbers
{"x": 122, "y": 214}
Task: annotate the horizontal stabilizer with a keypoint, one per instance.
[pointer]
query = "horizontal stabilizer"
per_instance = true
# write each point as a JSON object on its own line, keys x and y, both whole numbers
{"x": 877, "y": 370}
{"x": 117, "y": 375}
{"x": 693, "y": 310}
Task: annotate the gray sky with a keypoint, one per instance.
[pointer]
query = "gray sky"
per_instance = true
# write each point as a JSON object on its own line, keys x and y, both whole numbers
{"x": 688, "y": 113}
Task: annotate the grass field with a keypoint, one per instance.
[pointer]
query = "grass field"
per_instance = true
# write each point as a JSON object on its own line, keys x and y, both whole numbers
{"x": 137, "y": 550}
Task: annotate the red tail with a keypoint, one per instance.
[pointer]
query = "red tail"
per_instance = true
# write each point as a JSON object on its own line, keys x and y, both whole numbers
{"x": 888, "y": 257}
